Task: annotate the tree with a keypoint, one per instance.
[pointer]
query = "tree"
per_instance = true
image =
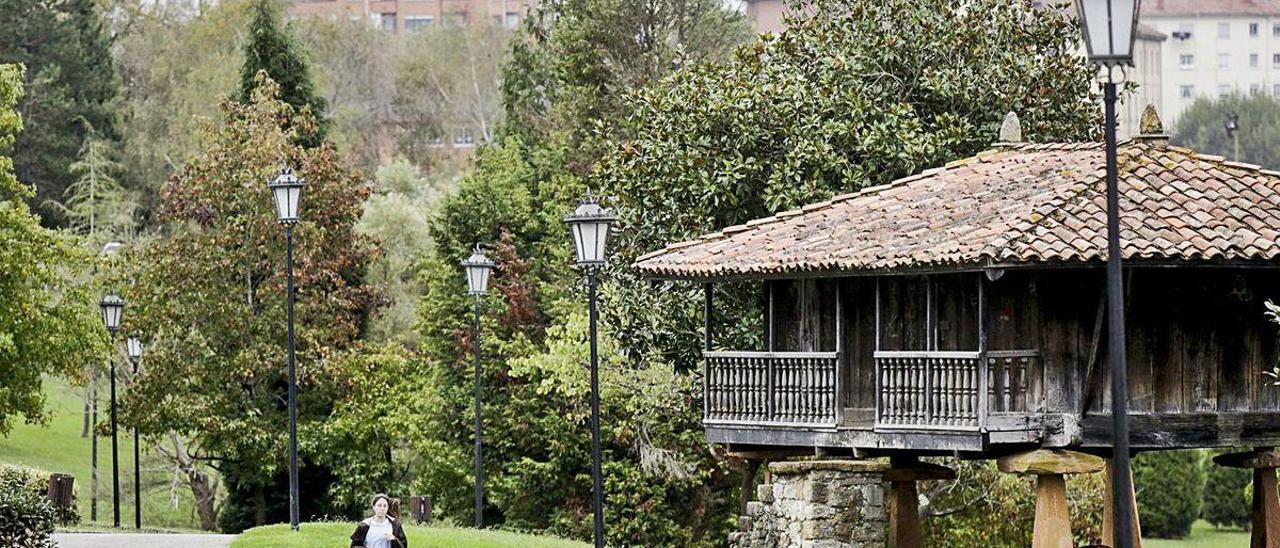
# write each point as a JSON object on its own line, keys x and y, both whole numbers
{"x": 273, "y": 50}
{"x": 209, "y": 294}
{"x": 1202, "y": 127}
{"x": 1170, "y": 489}
{"x": 70, "y": 77}
{"x": 1226, "y": 496}
{"x": 96, "y": 202}
{"x": 47, "y": 324}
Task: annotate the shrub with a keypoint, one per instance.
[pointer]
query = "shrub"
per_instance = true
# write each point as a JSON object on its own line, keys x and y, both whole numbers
{"x": 1226, "y": 496}
{"x": 26, "y": 517}
{"x": 36, "y": 482}
{"x": 1170, "y": 486}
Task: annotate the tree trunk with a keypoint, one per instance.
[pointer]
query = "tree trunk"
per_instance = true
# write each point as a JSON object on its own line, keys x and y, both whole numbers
{"x": 88, "y": 398}
{"x": 93, "y": 466}
{"x": 259, "y": 505}
{"x": 206, "y": 493}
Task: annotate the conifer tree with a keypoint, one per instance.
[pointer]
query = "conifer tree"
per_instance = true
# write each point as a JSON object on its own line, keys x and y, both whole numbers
{"x": 273, "y": 50}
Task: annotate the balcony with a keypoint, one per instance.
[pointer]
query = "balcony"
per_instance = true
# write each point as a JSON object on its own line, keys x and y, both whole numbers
{"x": 772, "y": 388}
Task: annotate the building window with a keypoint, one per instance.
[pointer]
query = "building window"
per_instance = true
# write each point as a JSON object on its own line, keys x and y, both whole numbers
{"x": 1253, "y": 30}
{"x": 388, "y": 22}
{"x": 464, "y": 139}
{"x": 1184, "y": 31}
{"x": 1187, "y": 60}
{"x": 1224, "y": 30}
{"x": 1255, "y": 89}
{"x": 455, "y": 20}
{"x": 1253, "y": 60}
{"x": 1275, "y": 90}
{"x": 1224, "y": 90}
{"x": 1224, "y": 60}
{"x": 1275, "y": 59}
{"x": 418, "y": 23}
{"x": 1275, "y": 30}
{"x": 1188, "y": 91}
{"x": 513, "y": 20}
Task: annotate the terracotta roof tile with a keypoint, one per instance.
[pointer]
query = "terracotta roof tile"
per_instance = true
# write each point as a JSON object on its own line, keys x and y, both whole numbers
{"x": 1023, "y": 204}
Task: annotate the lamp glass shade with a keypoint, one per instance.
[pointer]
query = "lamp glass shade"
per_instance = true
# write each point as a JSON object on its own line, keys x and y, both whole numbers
{"x": 112, "y": 309}
{"x": 478, "y": 268}
{"x": 134, "y": 346}
{"x": 589, "y": 225}
{"x": 1109, "y": 27}
{"x": 286, "y": 191}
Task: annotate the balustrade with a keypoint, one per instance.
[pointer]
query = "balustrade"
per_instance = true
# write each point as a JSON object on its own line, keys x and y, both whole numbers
{"x": 772, "y": 387}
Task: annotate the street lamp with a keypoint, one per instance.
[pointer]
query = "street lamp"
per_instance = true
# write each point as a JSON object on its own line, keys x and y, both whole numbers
{"x": 286, "y": 191}
{"x": 478, "y": 268}
{"x": 590, "y": 227}
{"x": 134, "y": 346}
{"x": 1109, "y": 28}
{"x": 112, "y": 307}
{"x": 1232, "y": 125}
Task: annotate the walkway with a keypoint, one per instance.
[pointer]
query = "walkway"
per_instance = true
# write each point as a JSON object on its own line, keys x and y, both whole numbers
{"x": 105, "y": 540}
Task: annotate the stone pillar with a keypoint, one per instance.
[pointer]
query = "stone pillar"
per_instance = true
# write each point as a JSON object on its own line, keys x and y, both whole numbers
{"x": 1266, "y": 502}
{"x": 1053, "y": 523}
{"x": 817, "y": 504}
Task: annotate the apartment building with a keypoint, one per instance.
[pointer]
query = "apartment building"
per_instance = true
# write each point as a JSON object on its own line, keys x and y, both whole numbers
{"x": 1215, "y": 48}
{"x": 400, "y": 16}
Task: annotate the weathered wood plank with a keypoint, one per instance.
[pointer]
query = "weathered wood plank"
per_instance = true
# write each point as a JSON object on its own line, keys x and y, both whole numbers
{"x": 1185, "y": 430}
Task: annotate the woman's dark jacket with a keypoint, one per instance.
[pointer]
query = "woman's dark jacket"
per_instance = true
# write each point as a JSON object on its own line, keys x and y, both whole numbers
{"x": 357, "y": 538}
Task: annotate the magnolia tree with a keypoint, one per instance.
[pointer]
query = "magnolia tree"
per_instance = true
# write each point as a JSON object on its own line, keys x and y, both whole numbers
{"x": 209, "y": 295}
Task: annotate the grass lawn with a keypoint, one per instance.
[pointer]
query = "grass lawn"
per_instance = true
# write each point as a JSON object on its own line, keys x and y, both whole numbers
{"x": 1204, "y": 535}
{"x": 339, "y": 534}
{"x": 58, "y": 447}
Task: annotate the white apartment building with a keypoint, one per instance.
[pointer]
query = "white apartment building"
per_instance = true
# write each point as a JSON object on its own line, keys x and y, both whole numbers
{"x": 1215, "y": 48}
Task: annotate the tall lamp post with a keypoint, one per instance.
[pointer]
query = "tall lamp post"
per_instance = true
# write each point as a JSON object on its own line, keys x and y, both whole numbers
{"x": 478, "y": 268}
{"x": 286, "y": 191}
{"x": 1232, "y": 125}
{"x": 590, "y": 227}
{"x": 1109, "y": 28}
{"x": 112, "y": 307}
{"x": 134, "y": 346}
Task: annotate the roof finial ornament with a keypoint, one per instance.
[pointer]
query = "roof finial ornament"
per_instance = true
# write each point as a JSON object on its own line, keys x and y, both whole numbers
{"x": 1150, "y": 123}
{"x": 1011, "y": 129}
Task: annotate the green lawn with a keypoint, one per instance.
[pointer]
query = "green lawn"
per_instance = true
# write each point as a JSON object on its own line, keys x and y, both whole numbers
{"x": 1204, "y": 535}
{"x": 58, "y": 447}
{"x": 338, "y": 534}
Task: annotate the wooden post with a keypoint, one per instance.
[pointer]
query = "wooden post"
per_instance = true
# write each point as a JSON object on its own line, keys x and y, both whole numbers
{"x": 904, "y": 510}
{"x": 1266, "y": 503}
{"x": 748, "y": 485}
{"x": 1053, "y": 523}
{"x": 1108, "y": 516}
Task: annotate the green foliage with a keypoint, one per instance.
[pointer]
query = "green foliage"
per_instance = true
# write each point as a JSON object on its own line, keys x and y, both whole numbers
{"x": 35, "y": 482}
{"x": 96, "y": 202}
{"x": 47, "y": 324}
{"x": 1273, "y": 314}
{"x": 984, "y": 508}
{"x": 1171, "y": 490}
{"x": 1202, "y": 127}
{"x": 26, "y": 517}
{"x": 210, "y": 293}
{"x": 273, "y": 50}
{"x": 1226, "y": 495}
{"x": 70, "y": 77}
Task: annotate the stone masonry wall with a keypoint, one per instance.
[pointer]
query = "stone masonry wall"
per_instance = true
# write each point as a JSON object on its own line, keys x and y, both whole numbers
{"x": 817, "y": 504}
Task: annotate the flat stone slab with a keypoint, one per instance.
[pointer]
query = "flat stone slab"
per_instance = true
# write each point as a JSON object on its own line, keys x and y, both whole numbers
{"x": 924, "y": 471}
{"x": 1250, "y": 459}
{"x": 1050, "y": 461}
{"x": 792, "y": 467}
{"x": 118, "y": 540}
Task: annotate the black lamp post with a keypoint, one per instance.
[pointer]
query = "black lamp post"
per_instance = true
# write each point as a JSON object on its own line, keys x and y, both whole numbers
{"x": 478, "y": 268}
{"x": 1109, "y": 28}
{"x": 590, "y": 226}
{"x": 1232, "y": 125}
{"x": 286, "y": 190}
{"x": 134, "y": 347}
{"x": 112, "y": 309}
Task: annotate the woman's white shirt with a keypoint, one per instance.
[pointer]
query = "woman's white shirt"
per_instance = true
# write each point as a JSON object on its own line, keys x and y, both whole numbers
{"x": 377, "y": 535}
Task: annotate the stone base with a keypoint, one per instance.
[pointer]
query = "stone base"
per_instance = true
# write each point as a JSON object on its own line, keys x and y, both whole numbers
{"x": 817, "y": 504}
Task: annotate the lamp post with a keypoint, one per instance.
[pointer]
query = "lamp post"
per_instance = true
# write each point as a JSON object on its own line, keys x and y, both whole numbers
{"x": 286, "y": 191}
{"x": 112, "y": 307}
{"x": 1109, "y": 28}
{"x": 134, "y": 346}
{"x": 478, "y": 268}
{"x": 589, "y": 225}
{"x": 1232, "y": 125}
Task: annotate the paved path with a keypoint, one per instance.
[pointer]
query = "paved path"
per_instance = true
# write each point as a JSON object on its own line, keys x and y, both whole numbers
{"x": 104, "y": 540}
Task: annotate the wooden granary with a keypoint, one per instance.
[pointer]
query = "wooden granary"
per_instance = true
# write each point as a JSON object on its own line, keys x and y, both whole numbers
{"x": 961, "y": 310}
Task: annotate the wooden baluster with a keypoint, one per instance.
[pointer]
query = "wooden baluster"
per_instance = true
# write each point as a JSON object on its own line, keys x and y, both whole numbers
{"x": 935, "y": 392}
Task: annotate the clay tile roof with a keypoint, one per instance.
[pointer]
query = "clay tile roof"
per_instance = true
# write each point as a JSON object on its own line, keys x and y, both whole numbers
{"x": 1023, "y": 204}
{"x": 1167, "y": 8}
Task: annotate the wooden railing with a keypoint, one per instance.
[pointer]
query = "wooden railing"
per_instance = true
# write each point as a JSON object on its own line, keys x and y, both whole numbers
{"x": 929, "y": 390}
{"x": 950, "y": 390}
{"x": 798, "y": 388}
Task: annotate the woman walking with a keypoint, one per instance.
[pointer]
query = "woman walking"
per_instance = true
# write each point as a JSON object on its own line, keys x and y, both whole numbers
{"x": 381, "y": 530}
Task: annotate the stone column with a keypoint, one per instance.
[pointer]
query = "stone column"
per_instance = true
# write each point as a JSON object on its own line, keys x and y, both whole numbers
{"x": 1053, "y": 523}
{"x": 817, "y": 504}
{"x": 1266, "y": 502}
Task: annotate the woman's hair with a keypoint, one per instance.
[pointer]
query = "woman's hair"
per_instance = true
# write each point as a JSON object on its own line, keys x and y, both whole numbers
{"x": 382, "y": 496}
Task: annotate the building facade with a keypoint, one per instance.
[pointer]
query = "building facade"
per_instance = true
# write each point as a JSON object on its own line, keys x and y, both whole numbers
{"x": 400, "y": 16}
{"x": 1215, "y": 48}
